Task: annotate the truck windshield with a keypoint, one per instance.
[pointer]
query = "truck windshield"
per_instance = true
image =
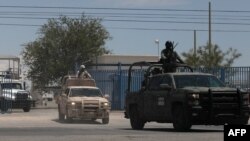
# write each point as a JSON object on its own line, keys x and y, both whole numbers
{"x": 11, "y": 86}
{"x": 182, "y": 81}
{"x": 81, "y": 92}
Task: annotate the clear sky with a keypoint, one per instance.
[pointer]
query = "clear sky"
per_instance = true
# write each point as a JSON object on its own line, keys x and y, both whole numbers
{"x": 134, "y": 29}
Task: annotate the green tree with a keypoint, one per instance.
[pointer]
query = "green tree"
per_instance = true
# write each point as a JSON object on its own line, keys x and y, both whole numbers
{"x": 216, "y": 57}
{"x": 63, "y": 43}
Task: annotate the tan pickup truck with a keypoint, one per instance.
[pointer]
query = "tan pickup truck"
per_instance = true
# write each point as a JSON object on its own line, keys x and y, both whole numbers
{"x": 81, "y": 99}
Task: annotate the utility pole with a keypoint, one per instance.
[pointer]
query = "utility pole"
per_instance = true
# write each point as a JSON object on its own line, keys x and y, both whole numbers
{"x": 194, "y": 43}
{"x": 209, "y": 33}
{"x": 195, "y": 61}
{"x": 209, "y": 28}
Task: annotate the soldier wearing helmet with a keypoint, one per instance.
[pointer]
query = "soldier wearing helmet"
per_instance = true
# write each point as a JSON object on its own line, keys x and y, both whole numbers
{"x": 83, "y": 73}
{"x": 169, "y": 57}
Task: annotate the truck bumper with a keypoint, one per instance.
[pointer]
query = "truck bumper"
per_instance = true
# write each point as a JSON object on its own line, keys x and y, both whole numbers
{"x": 15, "y": 104}
{"x": 98, "y": 114}
{"x": 21, "y": 103}
{"x": 217, "y": 116}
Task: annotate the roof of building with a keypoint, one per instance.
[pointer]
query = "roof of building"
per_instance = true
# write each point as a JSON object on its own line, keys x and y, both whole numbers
{"x": 9, "y": 57}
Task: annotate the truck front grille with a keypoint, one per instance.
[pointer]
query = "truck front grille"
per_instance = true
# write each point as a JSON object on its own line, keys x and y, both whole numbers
{"x": 88, "y": 105}
{"x": 221, "y": 102}
{"x": 21, "y": 96}
{"x": 91, "y": 105}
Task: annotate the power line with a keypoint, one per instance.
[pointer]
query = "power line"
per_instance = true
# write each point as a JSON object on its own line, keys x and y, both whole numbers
{"x": 173, "y": 29}
{"x": 140, "y": 17}
{"x": 100, "y": 8}
{"x": 125, "y": 15}
{"x": 42, "y": 13}
{"x": 110, "y": 8}
{"x": 187, "y": 22}
{"x": 136, "y": 28}
{"x": 144, "y": 21}
{"x": 114, "y": 16}
{"x": 27, "y": 25}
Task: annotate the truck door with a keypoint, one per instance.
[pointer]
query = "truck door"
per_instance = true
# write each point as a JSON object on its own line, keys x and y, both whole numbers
{"x": 156, "y": 99}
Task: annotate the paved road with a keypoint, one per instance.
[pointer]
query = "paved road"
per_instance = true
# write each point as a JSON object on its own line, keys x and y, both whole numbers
{"x": 43, "y": 125}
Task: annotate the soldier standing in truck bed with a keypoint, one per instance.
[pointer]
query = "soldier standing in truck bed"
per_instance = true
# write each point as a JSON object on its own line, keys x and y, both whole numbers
{"x": 169, "y": 58}
{"x": 83, "y": 73}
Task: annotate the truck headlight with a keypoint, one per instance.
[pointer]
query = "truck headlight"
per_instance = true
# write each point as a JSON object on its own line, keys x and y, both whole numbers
{"x": 195, "y": 96}
{"x": 73, "y": 103}
{"x": 106, "y": 104}
{"x": 194, "y": 99}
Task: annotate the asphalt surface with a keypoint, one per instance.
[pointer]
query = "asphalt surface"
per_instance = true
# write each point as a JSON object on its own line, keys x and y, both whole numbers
{"x": 43, "y": 125}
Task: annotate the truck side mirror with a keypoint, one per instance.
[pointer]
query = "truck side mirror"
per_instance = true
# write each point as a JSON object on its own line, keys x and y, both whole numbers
{"x": 24, "y": 85}
{"x": 107, "y": 97}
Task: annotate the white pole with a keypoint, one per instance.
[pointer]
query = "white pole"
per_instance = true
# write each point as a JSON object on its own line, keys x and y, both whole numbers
{"x": 158, "y": 46}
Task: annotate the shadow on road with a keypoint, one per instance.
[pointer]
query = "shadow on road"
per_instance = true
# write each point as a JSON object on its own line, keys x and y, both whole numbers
{"x": 173, "y": 130}
{"x": 77, "y": 121}
{"x": 12, "y": 111}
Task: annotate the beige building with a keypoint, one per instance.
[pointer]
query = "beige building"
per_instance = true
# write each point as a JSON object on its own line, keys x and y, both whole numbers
{"x": 111, "y": 59}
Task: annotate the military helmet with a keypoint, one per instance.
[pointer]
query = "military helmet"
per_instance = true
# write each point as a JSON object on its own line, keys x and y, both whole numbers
{"x": 82, "y": 67}
{"x": 169, "y": 45}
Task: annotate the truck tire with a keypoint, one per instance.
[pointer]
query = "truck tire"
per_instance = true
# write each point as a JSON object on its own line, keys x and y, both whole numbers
{"x": 105, "y": 120}
{"x": 135, "y": 121}
{"x": 4, "y": 109}
{"x": 245, "y": 120}
{"x": 5, "y": 105}
{"x": 60, "y": 115}
{"x": 67, "y": 118}
{"x": 181, "y": 121}
{"x": 26, "y": 109}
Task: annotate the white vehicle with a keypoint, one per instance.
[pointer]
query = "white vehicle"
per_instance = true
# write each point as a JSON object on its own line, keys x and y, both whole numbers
{"x": 48, "y": 96}
{"x": 14, "y": 95}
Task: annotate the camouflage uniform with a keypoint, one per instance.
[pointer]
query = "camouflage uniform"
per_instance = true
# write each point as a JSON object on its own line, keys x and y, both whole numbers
{"x": 169, "y": 58}
{"x": 83, "y": 73}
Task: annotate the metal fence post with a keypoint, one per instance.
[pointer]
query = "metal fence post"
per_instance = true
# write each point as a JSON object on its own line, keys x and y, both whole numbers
{"x": 120, "y": 84}
{"x": 222, "y": 74}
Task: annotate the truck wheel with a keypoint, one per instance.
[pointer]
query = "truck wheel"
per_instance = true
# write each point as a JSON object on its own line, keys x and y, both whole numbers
{"x": 245, "y": 120}
{"x": 135, "y": 121}
{"x": 4, "y": 109}
{"x": 105, "y": 120}
{"x": 67, "y": 118}
{"x": 181, "y": 121}
{"x": 4, "y": 105}
{"x": 26, "y": 109}
{"x": 60, "y": 115}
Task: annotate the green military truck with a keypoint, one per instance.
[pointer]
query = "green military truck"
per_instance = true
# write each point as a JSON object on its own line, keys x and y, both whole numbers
{"x": 184, "y": 99}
